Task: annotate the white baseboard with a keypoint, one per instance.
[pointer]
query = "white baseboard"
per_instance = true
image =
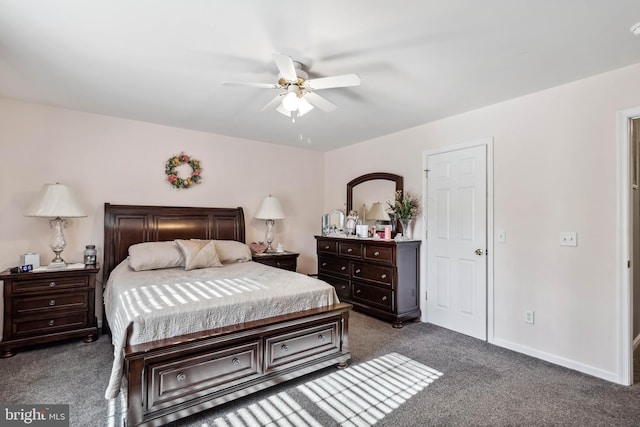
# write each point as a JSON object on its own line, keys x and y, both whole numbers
{"x": 557, "y": 360}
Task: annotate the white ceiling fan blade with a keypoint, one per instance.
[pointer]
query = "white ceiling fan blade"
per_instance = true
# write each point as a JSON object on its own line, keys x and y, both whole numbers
{"x": 304, "y": 107}
{"x": 285, "y": 66}
{"x": 258, "y": 85}
{"x": 275, "y": 101}
{"x": 320, "y": 102}
{"x": 344, "y": 80}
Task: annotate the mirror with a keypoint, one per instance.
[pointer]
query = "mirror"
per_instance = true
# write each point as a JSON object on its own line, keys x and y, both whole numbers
{"x": 371, "y": 188}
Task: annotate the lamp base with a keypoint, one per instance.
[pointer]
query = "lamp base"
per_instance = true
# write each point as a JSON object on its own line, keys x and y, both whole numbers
{"x": 56, "y": 265}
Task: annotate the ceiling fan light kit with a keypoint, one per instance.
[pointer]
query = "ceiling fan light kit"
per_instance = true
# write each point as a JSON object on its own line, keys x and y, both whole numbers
{"x": 297, "y": 96}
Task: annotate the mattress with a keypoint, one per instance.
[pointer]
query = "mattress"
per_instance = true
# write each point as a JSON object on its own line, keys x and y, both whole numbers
{"x": 145, "y": 306}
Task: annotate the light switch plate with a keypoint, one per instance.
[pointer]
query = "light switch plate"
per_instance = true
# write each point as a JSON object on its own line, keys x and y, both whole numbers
{"x": 502, "y": 236}
{"x": 568, "y": 238}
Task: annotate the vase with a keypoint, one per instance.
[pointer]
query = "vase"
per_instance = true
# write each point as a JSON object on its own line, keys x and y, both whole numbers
{"x": 406, "y": 228}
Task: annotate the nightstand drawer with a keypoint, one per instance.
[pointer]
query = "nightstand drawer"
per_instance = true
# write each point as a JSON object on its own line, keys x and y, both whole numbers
{"x": 42, "y": 304}
{"x": 284, "y": 263}
{"x": 47, "y": 285}
{"x": 51, "y": 324}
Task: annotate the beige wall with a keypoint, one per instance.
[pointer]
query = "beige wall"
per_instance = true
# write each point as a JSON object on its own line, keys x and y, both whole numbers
{"x": 554, "y": 170}
{"x": 107, "y": 159}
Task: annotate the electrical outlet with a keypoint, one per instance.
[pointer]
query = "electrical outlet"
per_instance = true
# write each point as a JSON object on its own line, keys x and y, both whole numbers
{"x": 569, "y": 238}
{"x": 529, "y": 316}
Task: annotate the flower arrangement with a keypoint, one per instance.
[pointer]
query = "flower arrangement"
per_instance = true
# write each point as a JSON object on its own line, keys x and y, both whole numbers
{"x": 172, "y": 174}
{"x": 405, "y": 206}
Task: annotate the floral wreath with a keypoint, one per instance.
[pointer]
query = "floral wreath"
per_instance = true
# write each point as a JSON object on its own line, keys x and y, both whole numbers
{"x": 172, "y": 174}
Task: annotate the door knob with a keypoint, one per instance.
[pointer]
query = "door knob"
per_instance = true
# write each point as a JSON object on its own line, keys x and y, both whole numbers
{"x": 479, "y": 252}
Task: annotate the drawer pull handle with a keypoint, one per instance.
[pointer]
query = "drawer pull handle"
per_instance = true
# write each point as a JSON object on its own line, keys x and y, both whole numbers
{"x": 52, "y": 302}
{"x": 384, "y": 276}
{"x": 350, "y": 250}
{"x": 278, "y": 263}
{"x": 344, "y": 287}
{"x": 343, "y": 268}
{"x": 52, "y": 322}
{"x": 326, "y": 247}
{"x": 324, "y": 264}
{"x": 52, "y": 284}
{"x": 376, "y": 253}
{"x": 320, "y": 337}
{"x": 358, "y": 271}
{"x": 284, "y": 347}
{"x": 181, "y": 376}
{"x": 358, "y": 291}
{"x": 384, "y": 298}
{"x": 235, "y": 361}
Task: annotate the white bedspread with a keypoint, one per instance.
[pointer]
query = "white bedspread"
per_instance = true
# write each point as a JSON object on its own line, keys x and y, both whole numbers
{"x": 145, "y": 306}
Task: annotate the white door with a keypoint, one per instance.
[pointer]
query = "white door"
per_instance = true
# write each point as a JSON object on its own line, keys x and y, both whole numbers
{"x": 457, "y": 240}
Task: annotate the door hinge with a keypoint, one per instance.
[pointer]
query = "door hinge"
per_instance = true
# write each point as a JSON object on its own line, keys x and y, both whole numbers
{"x": 628, "y": 263}
{"x": 426, "y": 173}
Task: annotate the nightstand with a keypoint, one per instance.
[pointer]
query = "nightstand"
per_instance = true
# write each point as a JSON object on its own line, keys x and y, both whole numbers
{"x": 284, "y": 260}
{"x": 47, "y": 306}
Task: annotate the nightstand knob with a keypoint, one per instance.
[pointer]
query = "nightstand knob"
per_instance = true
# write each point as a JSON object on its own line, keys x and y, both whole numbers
{"x": 52, "y": 284}
{"x": 52, "y": 322}
{"x": 181, "y": 376}
{"x": 52, "y": 302}
{"x": 376, "y": 253}
{"x": 278, "y": 263}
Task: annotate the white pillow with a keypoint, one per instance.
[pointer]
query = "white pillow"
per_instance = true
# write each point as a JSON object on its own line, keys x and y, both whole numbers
{"x": 155, "y": 255}
{"x": 199, "y": 254}
{"x": 231, "y": 251}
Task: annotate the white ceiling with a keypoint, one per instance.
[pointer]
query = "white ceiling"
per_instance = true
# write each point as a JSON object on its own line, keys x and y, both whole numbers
{"x": 163, "y": 61}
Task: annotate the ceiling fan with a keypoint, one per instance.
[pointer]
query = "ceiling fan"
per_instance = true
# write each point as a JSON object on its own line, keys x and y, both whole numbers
{"x": 297, "y": 96}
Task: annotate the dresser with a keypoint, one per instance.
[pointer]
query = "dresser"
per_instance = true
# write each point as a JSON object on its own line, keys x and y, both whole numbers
{"x": 48, "y": 306}
{"x": 379, "y": 277}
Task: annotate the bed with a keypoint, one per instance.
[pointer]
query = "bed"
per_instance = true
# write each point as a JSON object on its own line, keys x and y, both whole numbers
{"x": 171, "y": 377}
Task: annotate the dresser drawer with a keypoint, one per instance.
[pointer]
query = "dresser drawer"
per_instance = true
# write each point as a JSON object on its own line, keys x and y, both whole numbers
{"x": 333, "y": 265}
{"x": 297, "y": 347}
{"x": 352, "y": 250}
{"x": 202, "y": 373}
{"x": 24, "y": 327}
{"x": 373, "y": 295}
{"x": 327, "y": 247}
{"x": 373, "y": 273}
{"x": 43, "y": 304}
{"x": 47, "y": 285}
{"x": 341, "y": 286}
{"x": 383, "y": 254}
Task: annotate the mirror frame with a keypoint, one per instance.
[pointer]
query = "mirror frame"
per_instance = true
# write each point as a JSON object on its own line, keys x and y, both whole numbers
{"x": 399, "y": 180}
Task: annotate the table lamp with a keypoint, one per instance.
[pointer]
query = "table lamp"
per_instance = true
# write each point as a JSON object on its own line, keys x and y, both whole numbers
{"x": 269, "y": 210}
{"x": 56, "y": 201}
{"x": 378, "y": 213}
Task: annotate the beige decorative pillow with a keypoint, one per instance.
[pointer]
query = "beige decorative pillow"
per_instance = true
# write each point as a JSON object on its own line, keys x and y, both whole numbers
{"x": 155, "y": 255}
{"x": 231, "y": 251}
{"x": 199, "y": 254}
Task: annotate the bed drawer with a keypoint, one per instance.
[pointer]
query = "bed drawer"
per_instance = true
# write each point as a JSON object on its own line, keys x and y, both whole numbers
{"x": 202, "y": 373}
{"x": 287, "y": 350}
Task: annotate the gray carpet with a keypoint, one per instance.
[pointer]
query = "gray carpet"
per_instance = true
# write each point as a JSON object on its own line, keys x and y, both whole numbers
{"x": 476, "y": 384}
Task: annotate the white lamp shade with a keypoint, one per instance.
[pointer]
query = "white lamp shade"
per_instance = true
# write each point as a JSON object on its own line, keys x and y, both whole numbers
{"x": 269, "y": 209}
{"x": 56, "y": 200}
{"x": 378, "y": 213}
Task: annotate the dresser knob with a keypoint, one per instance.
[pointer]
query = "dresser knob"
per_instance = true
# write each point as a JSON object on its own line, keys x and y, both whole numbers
{"x": 52, "y": 284}
{"x": 181, "y": 376}
{"x": 358, "y": 291}
{"x": 376, "y": 253}
{"x": 284, "y": 347}
{"x": 278, "y": 263}
{"x": 52, "y": 302}
{"x": 52, "y": 322}
{"x": 326, "y": 247}
{"x": 384, "y": 298}
{"x": 324, "y": 264}
{"x": 343, "y": 287}
{"x": 235, "y": 361}
{"x": 358, "y": 271}
{"x": 384, "y": 276}
{"x": 349, "y": 250}
{"x": 343, "y": 268}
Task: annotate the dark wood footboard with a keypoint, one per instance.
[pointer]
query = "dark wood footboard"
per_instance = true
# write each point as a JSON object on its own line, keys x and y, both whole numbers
{"x": 169, "y": 379}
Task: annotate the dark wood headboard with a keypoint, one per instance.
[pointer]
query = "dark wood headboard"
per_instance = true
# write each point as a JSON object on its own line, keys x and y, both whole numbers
{"x": 125, "y": 225}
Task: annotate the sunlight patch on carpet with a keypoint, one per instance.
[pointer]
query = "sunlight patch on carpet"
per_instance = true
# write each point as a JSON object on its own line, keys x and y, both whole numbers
{"x": 364, "y": 394}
